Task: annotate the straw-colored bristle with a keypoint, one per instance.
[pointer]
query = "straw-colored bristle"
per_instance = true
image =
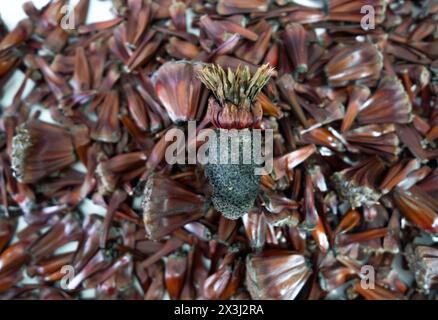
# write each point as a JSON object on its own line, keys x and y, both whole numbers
{"x": 237, "y": 87}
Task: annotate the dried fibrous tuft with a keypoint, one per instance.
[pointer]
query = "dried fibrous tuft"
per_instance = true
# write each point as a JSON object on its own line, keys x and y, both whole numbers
{"x": 167, "y": 206}
{"x": 40, "y": 149}
{"x": 238, "y": 87}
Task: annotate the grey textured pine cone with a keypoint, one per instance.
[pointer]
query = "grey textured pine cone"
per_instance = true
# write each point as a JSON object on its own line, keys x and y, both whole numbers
{"x": 235, "y": 186}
